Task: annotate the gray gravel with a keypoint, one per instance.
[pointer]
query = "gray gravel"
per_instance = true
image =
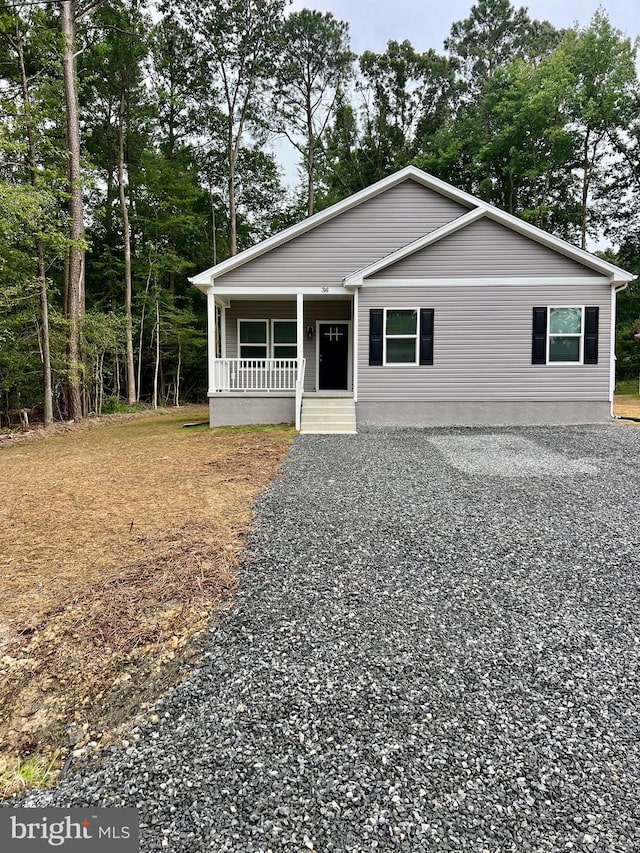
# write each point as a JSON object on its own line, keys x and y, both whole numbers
{"x": 436, "y": 648}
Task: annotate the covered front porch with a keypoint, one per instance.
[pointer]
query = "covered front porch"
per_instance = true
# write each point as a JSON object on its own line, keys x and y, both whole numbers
{"x": 266, "y": 352}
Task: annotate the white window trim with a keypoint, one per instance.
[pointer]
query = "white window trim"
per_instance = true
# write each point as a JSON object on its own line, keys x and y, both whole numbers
{"x": 385, "y": 363}
{"x": 275, "y": 320}
{"x": 580, "y": 361}
{"x": 266, "y": 340}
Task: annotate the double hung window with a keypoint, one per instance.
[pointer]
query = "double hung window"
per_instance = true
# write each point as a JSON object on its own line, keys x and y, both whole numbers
{"x": 267, "y": 339}
{"x": 564, "y": 342}
{"x": 253, "y": 338}
{"x": 284, "y": 336}
{"x": 400, "y": 336}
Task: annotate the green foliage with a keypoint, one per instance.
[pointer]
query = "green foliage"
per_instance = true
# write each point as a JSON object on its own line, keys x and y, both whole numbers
{"x": 628, "y": 314}
{"x": 36, "y": 770}
{"x": 116, "y": 406}
{"x": 404, "y": 96}
{"x": 494, "y": 34}
{"x": 628, "y": 387}
{"x": 600, "y": 105}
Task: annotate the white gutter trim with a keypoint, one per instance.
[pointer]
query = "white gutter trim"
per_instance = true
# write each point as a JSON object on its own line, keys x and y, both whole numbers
{"x": 482, "y": 281}
{"x": 612, "y": 356}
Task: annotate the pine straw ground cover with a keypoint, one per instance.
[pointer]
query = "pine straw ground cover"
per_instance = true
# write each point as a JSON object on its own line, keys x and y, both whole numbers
{"x": 117, "y": 545}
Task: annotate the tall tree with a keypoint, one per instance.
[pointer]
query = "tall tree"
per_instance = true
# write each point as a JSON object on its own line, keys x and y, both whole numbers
{"x": 116, "y": 130}
{"x": 600, "y": 103}
{"x": 19, "y": 34}
{"x": 235, "y": 41}
{"x": 513, "y": 148}
{"x": 622, "y": 214}
{"x": 313, "y": 68}
{"x": 74, "y": 284}
{"x": 131, "y": 53}
{"x": 494, "y": 34}
{"x": 405, "y": 95}
{"x": 172, "y": 72}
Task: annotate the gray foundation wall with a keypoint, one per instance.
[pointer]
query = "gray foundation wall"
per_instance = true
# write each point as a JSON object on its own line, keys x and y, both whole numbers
{"x": 241, "y": 409}
{"x": 450, "y": 413}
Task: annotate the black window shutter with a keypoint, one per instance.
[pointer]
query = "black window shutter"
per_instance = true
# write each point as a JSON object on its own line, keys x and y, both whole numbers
{"x": 539, "y": 339}
{"x": 426, "y": 336}
{"x": 591, "y": 316}
{"x": 375, "y": 335}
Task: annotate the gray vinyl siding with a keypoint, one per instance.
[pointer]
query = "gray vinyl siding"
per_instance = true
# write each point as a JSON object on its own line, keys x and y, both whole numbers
{"x": 324, "y": 256}
{"x": 482, "y": 346}
{"x": 484, "y": 248}
{"x": 314, "y": 310}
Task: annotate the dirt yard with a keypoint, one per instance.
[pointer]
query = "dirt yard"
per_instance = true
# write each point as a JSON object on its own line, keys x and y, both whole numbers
{"x": 627, "y": 405}
{"x": 117, "y": 545}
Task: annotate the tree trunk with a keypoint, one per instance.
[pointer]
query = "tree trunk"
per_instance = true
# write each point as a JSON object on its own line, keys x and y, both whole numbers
{"x": 75, "y": 283}
{"x": 585, "y": 193}
{"x": 144, "y": 310}
{"x": 46, "y": 343}
{"x": 100, "y": 390}
{"x": 311, "y": 146}
{"x": 233, "y": 226}
{"x": 213, "y": 227}
{"x": 131, "y": 373}
{"x": 42, "y": 271}
{"x": 176, "y": 399}
{"x": 157, "y": 364}
{"x": 116, "y": 385}
{"x": 310, "y": 185}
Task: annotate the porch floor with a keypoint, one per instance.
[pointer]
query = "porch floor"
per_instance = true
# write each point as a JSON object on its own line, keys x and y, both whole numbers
{"x": 329, "y": 394}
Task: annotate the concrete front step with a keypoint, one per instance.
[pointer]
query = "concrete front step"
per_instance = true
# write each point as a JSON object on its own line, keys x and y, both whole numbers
{"x": 328, "y": 431}
{"x": 328, "y": 415}
{"x": 335, "y": 426}
{"x": 318, "y": 405}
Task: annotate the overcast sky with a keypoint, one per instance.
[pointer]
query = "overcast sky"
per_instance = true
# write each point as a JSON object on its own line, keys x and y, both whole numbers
{"x": 426, "y": 23}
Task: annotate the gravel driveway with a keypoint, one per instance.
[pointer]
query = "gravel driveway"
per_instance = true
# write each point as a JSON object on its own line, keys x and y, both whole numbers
{"x": 436, "y": 648}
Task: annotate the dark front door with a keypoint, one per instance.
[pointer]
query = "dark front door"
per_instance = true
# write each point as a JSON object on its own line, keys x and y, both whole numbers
{"x": 333, "y": 371}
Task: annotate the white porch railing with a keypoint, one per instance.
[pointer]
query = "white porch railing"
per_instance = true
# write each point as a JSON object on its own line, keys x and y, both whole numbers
{"x": 256, "y": 374}
{"x": 299, "y": 389}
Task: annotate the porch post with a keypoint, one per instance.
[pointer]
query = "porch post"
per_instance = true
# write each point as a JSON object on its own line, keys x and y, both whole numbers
{"x": 300, "y": 327}
{"x": 211, "y": 339}
{"x": 354, "y": 345}
{"x": 223, "y": 331}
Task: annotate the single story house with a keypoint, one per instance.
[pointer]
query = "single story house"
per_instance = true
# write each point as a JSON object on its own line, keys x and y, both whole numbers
{"x": 411, "y": 302}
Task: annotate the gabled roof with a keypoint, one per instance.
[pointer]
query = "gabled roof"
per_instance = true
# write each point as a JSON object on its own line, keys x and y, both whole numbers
{"x": 478, "y": 209}
{"x": 356, "y": 278}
